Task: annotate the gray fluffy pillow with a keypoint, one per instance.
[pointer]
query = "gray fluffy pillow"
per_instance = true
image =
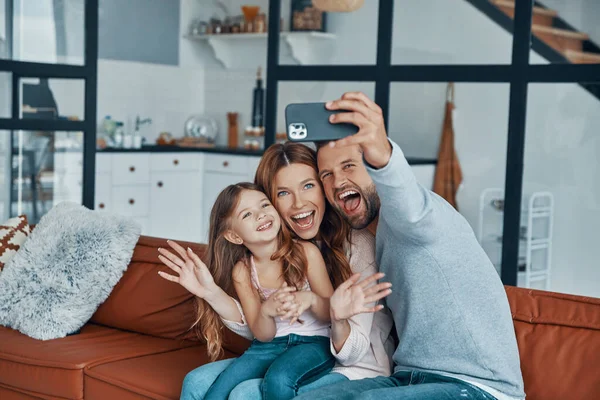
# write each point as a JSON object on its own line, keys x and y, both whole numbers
{"x": 68, "y": 267}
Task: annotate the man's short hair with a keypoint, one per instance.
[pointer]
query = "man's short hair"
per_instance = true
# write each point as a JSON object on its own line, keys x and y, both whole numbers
{"x": 321, "y": 144}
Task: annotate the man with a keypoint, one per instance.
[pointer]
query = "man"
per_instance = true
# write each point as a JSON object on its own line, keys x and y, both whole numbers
{"x": 456, "y": 337}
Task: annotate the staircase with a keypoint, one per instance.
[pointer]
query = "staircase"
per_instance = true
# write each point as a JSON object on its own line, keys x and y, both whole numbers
{"x": 572, "y": 46}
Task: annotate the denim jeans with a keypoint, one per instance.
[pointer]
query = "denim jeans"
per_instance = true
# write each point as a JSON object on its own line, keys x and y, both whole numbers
{"x": 198, "y": 381}
{"x": 413, "y": 385}
{"x": 284, "y": 364}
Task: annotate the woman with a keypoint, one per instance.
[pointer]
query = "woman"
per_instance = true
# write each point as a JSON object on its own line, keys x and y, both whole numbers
{"x": 360, "y": 338}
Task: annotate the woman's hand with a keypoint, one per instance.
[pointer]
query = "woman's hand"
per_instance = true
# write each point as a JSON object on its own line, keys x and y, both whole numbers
{"x": 351, "y": 298}
{"x": 191, "y": 272}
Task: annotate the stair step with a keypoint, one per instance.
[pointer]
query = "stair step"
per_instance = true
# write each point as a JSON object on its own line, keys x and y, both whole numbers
{"x": 582, "y": 57}
{"x": 560, "y": 40}
{"x": 541, "y": 16}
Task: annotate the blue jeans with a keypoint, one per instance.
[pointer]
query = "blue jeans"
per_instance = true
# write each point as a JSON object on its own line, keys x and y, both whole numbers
{"x": 413, "y": 385}
{"x": 284, "y": 364}
{"x": 197, "y": 382}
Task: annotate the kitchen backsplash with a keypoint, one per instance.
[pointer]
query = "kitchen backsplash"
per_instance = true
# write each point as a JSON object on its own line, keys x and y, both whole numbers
{"x": 168, "y": 95}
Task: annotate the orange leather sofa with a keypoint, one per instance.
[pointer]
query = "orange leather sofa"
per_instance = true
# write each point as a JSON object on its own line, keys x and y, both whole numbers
{"x": 138, "y": 344}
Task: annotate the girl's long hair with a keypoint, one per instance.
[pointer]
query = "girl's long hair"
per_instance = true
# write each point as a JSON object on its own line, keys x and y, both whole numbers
{"x": 334, "y": 232}
{"x": 222, "y": 255}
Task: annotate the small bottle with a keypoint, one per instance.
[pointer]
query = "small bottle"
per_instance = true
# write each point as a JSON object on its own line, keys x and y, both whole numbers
{"x": 258, "y": 101}
{"x": 118, "y": 135}
{"x": 232, "y": 131}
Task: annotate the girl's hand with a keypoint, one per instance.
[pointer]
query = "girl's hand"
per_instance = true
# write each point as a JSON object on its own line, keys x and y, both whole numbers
{"x": 302, "y": 301}
{"x": 272, "y": 307}
{"x": 191, "y": 272}
{"x": 351, "y": 298}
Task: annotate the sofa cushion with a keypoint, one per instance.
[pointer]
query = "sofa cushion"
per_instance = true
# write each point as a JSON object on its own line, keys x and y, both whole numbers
{"x": 54, "y": 368}
{"x": 65, "y": 270}
{"x": 559, "y": 343}
{"x": 154, "y": 306}
{"x": 157, "y": 376}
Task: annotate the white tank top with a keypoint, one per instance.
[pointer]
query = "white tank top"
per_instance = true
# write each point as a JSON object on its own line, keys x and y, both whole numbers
{"x": 311, "y": 326}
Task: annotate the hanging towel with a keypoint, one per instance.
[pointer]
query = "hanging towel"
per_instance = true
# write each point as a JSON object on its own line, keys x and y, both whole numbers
{"x": 448, "y": 175}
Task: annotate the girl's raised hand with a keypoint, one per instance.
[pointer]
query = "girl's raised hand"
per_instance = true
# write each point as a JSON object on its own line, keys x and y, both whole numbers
{"x": 191, "y": 272}
{"x": 353, "y": 297}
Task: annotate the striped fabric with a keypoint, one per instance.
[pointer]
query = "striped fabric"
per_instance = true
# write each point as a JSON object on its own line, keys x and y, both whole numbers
{"x": 13, "y": 233}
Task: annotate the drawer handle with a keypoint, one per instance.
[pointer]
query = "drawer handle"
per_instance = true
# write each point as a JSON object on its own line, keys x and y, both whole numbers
{"x": 101, "y": 205}
{"x": 132, "y": 169}
{"x": 176, "y": 162}
{"x": 131, "y": 201}
{"x": 226, "y": 163}
{"x": 159, "y": 184}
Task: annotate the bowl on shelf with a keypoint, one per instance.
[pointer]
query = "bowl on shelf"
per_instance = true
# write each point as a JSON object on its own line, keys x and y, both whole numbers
{"x": 201, "y": 127}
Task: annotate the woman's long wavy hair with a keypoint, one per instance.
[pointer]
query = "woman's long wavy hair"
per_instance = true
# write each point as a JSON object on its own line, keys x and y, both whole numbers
{"x": 222, "y": 255}
{"x": 334, "y": 231}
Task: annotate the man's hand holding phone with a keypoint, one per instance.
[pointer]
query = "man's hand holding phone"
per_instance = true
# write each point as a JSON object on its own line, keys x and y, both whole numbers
{"x": 359, "y": 110}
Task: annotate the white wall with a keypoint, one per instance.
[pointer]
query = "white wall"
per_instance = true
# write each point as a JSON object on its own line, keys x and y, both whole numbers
{"x": 169, "y": 95}
{"x": 561, "y": 156}
{"x": 581, "y": 14}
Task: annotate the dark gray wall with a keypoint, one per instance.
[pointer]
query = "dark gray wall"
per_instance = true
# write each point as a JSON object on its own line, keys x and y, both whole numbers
{"x": 139, "y": 30}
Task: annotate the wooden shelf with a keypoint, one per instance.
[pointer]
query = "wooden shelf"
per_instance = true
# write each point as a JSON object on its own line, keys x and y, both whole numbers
{"x": 238, "y": 50}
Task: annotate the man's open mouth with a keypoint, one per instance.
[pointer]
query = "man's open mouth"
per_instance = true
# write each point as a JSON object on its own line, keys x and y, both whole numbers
{"x": 349, "y": 200}
{"x": 304, "y": 220}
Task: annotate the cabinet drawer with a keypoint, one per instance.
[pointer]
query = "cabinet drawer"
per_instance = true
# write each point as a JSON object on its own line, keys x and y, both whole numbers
{"x": 102, "y": 195}
{"x": 132, "y": 201}
{"x": 130, "y": 169}
{"x": 226, "y": 163}
{"x": 103, "y": 163}
{"x": 174, "y": 162}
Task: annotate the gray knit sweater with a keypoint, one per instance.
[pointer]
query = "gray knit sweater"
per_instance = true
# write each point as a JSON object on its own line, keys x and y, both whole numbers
{"x": 449, "y": 306}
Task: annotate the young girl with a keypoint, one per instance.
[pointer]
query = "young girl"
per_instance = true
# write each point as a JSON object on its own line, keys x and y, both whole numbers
{"x": 251, "y": 248}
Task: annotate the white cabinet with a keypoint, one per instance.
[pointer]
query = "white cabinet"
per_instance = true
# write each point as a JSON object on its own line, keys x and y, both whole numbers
{"x": 176, "y": 205}
{"x": 131, "y": 200}
{"x": 220, "y": 171}
{"x": 103, "y": 192}
{"x": 161, "y": 191}
{"x": 130, "y": 169}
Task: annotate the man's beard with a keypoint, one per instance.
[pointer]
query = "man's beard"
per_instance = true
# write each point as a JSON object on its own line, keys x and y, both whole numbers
{"x": 372, "y": 205}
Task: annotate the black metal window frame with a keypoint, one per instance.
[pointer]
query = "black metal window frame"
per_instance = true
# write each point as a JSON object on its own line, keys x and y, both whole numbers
{"x": 519, "y": 74}
{"x": 88, "y": 72}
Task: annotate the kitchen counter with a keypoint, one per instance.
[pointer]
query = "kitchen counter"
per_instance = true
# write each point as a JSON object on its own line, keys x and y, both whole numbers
{"x": 175, "y": 149}
{"x": 224, "y": 150}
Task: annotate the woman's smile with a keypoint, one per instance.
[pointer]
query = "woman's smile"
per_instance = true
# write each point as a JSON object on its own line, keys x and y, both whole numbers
{"x": 303, "y": 220}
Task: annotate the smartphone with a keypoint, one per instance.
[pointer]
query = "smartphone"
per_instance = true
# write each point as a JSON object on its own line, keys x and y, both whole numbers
{"x": 309, "y": 122}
